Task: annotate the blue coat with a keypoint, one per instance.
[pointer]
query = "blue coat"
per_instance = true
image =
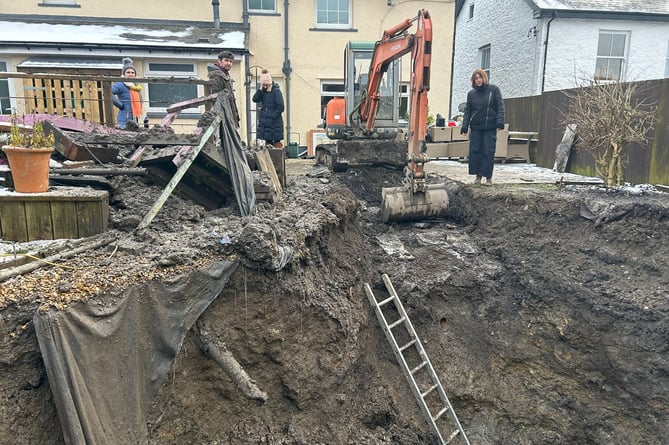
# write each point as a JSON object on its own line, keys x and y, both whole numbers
{"x": 270, "y": 121}
{"x": 121, "y": 99}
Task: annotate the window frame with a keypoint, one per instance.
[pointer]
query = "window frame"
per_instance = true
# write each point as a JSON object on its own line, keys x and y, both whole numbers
{"x": 68, "y": 3}
{"x": 334, "y": 26}
{"x": 148, "y": 72}
{"x": 471, "y": 12}
{"x": 484, "y": 59}
{"x": 6, "y": 100}
{"x": 262, "y": 10}
{"x": 623, "y": 59}
{"x": 326, "y": 95}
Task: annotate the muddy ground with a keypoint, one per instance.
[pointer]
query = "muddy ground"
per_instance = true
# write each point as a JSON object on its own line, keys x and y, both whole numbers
{"x": 543, "y": 309}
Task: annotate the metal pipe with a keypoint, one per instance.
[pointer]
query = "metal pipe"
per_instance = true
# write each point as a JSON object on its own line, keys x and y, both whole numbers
{"x": 286, "y": 69}
{"x": 217, "y": 16}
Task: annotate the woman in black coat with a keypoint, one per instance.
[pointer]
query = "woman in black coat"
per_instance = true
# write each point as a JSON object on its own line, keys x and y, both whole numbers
{"x": 270, "y": 122}
{"x": 484, "y": 116}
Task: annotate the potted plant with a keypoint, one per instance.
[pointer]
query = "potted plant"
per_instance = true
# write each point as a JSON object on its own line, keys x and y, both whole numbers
{"x": 28, "y": 154}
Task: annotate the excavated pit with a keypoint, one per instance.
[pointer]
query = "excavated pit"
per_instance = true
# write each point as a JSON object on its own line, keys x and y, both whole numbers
{"x": 543, "y": 309}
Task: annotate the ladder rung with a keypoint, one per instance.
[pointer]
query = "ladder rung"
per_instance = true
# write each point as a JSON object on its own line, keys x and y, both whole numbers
{"x": 455, "y": 433}
{"x": 387, "y": 300}
{"x": 400, "y": 321}
{"x": 426, "y": 393}
{"x": 408, "y": 345}
{"x": 418, "y": 368}
{"x": 439, "y": 414}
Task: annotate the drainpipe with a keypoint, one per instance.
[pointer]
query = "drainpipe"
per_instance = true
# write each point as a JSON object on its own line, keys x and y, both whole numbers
{"x": 247, "y": 81}
{"x": 286, "y": 69}
{"x": 217, "y": 16}
{"x": 543, "y": 74}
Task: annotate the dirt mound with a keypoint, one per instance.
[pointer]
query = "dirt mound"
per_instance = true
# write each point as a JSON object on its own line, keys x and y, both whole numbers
{"x": 544, "y": 310}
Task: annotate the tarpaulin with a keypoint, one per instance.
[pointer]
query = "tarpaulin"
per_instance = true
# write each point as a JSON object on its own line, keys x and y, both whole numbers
{"x": 107, "y": 358}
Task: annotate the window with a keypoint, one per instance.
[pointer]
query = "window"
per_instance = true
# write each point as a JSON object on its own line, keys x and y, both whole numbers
{"x": 610, "y": 63}
{"x": 333, "y": 14}
{"x": 330, "y": 89}
{"x": 262, "y": 5}
{"x": 5, "y": 102}
{"x": 404, "y": 102}
{"x": 484, "y": 58}
{"x": 162, "y": 95}
{"x": 471, "y": 11}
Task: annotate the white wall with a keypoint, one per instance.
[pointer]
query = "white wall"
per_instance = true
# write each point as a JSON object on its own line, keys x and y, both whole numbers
{"x": 517, "y": 55}
{"x": 573, "y": 50}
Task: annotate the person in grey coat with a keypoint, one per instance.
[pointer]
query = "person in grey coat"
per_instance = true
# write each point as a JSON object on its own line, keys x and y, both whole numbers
{"x": 483, "y": 118}
{"x": 270, "y": 121}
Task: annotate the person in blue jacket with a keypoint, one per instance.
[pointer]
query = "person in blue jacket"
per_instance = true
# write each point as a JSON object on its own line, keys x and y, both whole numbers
{"x": 126, "y": 96}
{"x": 270, "y": 121}
{"x": 483, "y": 118}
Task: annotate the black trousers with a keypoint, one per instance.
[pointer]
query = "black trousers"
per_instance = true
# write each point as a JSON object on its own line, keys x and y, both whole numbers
{"x": 482, "y": 152}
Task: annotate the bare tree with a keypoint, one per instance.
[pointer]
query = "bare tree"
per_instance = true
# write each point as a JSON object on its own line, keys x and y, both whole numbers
{"x": 608, "y": 116}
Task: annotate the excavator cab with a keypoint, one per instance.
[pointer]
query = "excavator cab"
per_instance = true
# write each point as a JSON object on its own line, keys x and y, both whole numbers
{"x": 342, "y": 121}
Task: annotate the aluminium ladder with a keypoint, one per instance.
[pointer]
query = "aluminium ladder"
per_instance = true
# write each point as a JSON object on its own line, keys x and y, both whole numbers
{"x": 422, "y": 366}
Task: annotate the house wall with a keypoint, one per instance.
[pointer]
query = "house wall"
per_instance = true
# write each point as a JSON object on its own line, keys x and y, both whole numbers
{"x": 318, "y": 55}
{"x": 314, "y": 55}
{"x": 573, "y": 50}
{"x": 517, "y": 55}
{"x": 515, "y": 51}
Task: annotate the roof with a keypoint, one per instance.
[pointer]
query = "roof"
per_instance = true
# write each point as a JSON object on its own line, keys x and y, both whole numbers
{"x": 625, "y": 6}
{"x": 47, "y": 31}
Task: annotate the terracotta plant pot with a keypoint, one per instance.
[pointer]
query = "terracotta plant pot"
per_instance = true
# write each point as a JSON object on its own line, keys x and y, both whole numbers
{"x": 29, "y": 167}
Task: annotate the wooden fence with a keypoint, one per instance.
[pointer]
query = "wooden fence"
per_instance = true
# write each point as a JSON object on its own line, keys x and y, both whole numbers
{"x": 82, "y": 96}
{"x": 645, "y": 163}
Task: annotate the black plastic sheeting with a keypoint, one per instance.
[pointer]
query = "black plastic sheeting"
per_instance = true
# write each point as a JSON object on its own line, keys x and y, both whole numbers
{"x": 107, "y": 358}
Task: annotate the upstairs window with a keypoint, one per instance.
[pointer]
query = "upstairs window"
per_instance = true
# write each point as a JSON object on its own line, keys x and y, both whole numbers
{"x": 335, "y": 14}
{"x": 611, "y": 56}
{"x": 484, "y": 59}
{"x": 471, "y": 11}
{"x": 262, "y": 6}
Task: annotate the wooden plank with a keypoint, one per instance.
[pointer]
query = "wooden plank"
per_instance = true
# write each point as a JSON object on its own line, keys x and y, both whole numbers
{"x": 88, "y": 219}
{"x": 13, "y": 216}
{"x": 58, "y": 96}
{"x": 266, "y": 165}
{"x": 109, "y": 118}
{"x": 68, "y": 100}
{"x": 175, "y": 108}
{"x": 134, "y": 138}
{"x": 64, "y": 217}
{"x": 38, "y": 220}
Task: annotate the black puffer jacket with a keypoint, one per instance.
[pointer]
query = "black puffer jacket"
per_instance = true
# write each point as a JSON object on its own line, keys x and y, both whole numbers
{"x": 270, "y": 121}
{"x": 485, "y": 109}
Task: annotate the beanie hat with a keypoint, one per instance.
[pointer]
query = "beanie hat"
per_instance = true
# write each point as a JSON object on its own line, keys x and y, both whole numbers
{"x": 127, "y": 64}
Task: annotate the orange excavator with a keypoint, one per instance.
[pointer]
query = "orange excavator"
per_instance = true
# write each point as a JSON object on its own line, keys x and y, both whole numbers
{"x": 368, "y": 132}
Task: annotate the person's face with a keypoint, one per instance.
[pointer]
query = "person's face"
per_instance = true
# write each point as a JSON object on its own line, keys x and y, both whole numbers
{"x": 225, "y": 63}
{"x": 129, "y": 73}
{"x": 478, "y": 80}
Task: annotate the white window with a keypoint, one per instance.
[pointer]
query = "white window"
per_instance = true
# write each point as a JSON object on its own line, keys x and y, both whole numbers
{"x": 330, "y": 89}
{"x": 5, "y": 101}
{"x": 162, "y": 95}
{"x": 611, "y": 55}
{"x": 484, "y": 59}
{"x": 262, "y": 6}
{"x": 404, "y": 102}
{"x": 334, "y": 14}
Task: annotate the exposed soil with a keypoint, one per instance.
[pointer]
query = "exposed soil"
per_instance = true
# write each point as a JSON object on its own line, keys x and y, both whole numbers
{"x": 544, "y": 310}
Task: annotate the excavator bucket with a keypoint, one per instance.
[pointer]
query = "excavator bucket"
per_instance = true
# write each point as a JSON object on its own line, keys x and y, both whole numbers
{"x": 400, "y": 204}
